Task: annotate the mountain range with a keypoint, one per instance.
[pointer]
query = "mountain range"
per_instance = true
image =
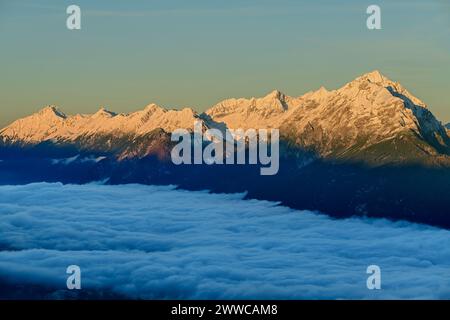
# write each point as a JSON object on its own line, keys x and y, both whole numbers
{"x": 369, "y": 148}
{"x": 372, "y": 120}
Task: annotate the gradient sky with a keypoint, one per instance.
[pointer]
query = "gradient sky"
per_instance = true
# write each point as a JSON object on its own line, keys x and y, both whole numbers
{"x": 195, "y": 53}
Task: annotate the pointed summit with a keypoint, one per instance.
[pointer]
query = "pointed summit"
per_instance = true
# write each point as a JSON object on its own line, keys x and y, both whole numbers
{"x": 318, "y": 95}
{"x": 152, "y": 107}
{"x": 375, "y": 76}
{"x": 102, "y": 112}
{"x": 275, "y": 94}
{"x": 378, "y": 80}
{"x": 322, "y": 92}
{"x": 52, "y": 111}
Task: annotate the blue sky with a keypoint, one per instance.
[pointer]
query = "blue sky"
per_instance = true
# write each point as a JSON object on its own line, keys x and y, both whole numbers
{"x": 195, "y": 53}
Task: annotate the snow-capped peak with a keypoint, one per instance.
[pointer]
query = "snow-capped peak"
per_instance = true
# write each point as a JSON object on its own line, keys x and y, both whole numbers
{"x": 153, "y": 107}
{"x": 318, "y": 95}
{"x": 245, "y": 113}
{"x": 103, "y": 112}
{"x": 374, "y": 76}
{"x": 376, "y": 81}
{"x": 275, "y": 94}
{"x": 51, "y": 111}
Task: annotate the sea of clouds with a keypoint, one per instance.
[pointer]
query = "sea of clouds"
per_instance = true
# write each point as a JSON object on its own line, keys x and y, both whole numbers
{"x": 150, "y": 242}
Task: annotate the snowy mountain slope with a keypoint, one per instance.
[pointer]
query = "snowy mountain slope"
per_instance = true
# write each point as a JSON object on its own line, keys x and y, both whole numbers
{"x": 104, "y": 131}
{"x": 267, "y": 112}
{"x": 371, "y": 110}
{"x": 52, "y": 124}
{"x": 371, "y": 119}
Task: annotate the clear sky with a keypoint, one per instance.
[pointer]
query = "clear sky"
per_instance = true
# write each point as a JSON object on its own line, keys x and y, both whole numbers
{"x": 195, "y": 53}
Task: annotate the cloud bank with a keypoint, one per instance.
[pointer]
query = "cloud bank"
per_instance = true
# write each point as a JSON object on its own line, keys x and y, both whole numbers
{"x": 154, "y": 242}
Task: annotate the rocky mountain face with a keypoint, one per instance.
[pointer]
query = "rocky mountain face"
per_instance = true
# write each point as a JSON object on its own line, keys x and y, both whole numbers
{"x": 52, "y": 124}
{"x": 371, "y": 119}
{"x": 136, "y": 134}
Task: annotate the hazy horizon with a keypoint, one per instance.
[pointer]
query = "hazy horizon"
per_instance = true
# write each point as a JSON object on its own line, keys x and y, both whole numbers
{"x": 195, "y": 54}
